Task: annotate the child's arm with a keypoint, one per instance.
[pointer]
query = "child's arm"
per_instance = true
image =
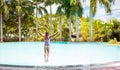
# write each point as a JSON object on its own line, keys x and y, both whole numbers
{"x": 53, "y": 34}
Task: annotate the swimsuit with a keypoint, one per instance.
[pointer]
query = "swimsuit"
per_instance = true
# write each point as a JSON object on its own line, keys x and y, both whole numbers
{"x": 47, "y": 42}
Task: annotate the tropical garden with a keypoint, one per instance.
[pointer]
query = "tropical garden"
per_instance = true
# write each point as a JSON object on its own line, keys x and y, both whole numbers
{"x": 24, "y": 20}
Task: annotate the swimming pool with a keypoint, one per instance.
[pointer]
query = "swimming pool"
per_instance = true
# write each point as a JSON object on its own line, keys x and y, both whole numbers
{"x": 61, "y": 53}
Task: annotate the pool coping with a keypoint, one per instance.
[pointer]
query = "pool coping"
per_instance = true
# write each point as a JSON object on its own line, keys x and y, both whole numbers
{"x": 112, "y": 65}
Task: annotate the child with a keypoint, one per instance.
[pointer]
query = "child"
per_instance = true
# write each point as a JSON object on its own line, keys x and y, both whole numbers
{"x": 47, "y": 45}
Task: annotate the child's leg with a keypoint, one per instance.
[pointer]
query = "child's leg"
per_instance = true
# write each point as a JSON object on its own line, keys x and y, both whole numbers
{"x": 45, "y": 53}
{"x": 48, "y": 50}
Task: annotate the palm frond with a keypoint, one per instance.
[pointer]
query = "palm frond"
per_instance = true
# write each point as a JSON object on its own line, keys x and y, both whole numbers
{"x": 40, "y": 11}
{"x": 59, "y": 10}
{"x": 93, "y": 6}
{"x": 44, "y": 9}
{"x": 19, "y": 10}
{"x": 107, "y": 4}
{"x": 6, "y": 11}
{"x": 49, "y": 2}
{"x": 1, "y": 2}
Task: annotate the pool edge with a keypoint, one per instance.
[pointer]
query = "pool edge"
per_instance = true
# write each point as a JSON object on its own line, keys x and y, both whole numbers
{"x": 109, "y": 65}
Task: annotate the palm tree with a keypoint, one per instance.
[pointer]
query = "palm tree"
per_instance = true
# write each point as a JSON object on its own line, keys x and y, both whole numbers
{"x": 67, "y": 9}
{"x": 65, "y": 5}
{"x": 3, "y": 10}
{"x": 77, "y": 9}
{"x": 22, "y": 8}
{"x": 93, "y": 7}
{"x": 70, "y": 7}
{"x": 19, "y": 13}
{"x": 49, "y": 3}
{"x": 38, "y": 9}
{"x": 59, "y": 12}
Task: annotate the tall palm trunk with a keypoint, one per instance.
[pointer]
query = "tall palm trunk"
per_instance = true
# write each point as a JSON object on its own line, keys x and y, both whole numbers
{"x": 77, "y": 27}
{"x": 1, "y": 29}
{"x": 60, "y": 24}
{"x": 19, "y": 28}
{"x": 36, "y": 24}
{"x": 69, "y": 22}
{"x": 50, "y": 20}
{"x": 91, "y": 18}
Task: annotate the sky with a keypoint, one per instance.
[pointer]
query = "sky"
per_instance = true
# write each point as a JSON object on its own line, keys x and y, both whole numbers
{"x": 100, "y": 14}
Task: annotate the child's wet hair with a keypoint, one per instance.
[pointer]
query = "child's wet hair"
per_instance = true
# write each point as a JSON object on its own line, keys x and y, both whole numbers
{"x": 46, "y": 33}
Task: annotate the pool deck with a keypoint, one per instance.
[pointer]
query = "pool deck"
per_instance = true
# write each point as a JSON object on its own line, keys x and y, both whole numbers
{"x": 107, "y": 66}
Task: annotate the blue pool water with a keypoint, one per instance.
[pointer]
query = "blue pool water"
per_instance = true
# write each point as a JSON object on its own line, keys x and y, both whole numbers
{"x": 61, "y": 53}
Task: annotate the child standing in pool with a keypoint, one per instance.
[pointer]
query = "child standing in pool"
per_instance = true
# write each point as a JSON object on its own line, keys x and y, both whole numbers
{"x": 47, "y": 45}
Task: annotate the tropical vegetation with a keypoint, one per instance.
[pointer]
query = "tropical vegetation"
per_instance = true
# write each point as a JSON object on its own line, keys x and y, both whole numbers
{"x": 24, "y": 20}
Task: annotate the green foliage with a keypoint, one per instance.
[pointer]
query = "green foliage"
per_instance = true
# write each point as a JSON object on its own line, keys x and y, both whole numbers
{"x": 93, "y": 6}
{"x": 84, "y": 30}
{"x": 44, "y": 25}
{"x": 106, "y": 30}
{"x": 105, "y": 3}
{"x": 115, "y": 28}
{"x": 66, "y": 34}
{"x": 97, "y": 30}
{"x": 25, "y": 9}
